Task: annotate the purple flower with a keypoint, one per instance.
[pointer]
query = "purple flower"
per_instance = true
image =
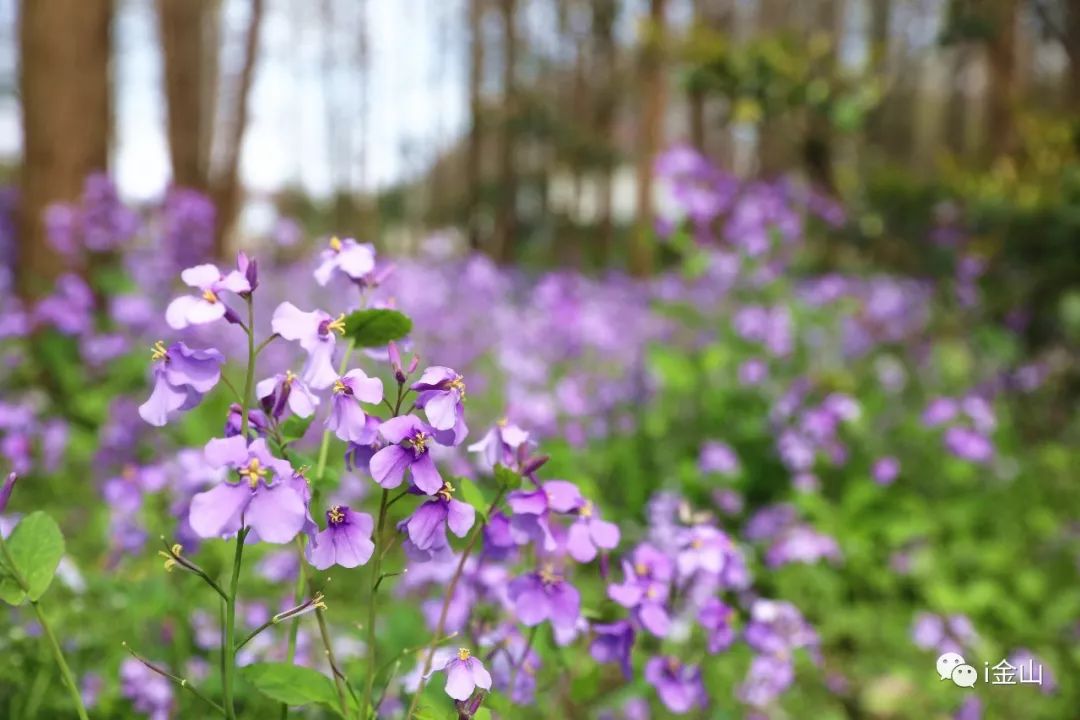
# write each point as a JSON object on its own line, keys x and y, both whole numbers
{"x": 705, "y": 549}
{"x": 409, "y": 438}
{"x": 315, "y": 332}
{"x": 886, "y": 470}
{"x": 801, "y": 544}
{"x": 716, "y": 618}
{"x": 346, "y": 541}
{"x": 767, "y": 678}
{"x": 500, "y": 445}
{"x": 265, "y": 500}
{"x": 645, "y": 588}
{"x": 181, "y": 377}
{"x": 464, "y": 674}
{"x": 286, "y": 389}
{"x": 612, "y": 643}
{"x": 149, "y": 692}
{"x": 969, "y": 445}
{"x": 589, "y": 532}
{"x": 206, "y": 307}
{"x": 718, "y": 457}
{"x": 353, "y": 259}
{"x": 5, "y": 491}
{"x": 427, "y": 526}
{"x": 441, "y": 393}
{"x": 940, "y": 410}
{"x": 777, "y": 628}
{"x": 347, "y": 419}
{"x": 532, "y": 508}
{"x": 679, "y": 686}
{"x": 545, "y": 595}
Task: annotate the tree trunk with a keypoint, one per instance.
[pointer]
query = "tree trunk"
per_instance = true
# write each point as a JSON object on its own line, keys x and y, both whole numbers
{"x": 189, "y": 44}
{"x": 1071, "y": 38}
{"x": 64, "y": 83}
{"x": 604, "y": 14}
{"x": 1001, "y": 53}
{"x": 473, "y": 175}
{"x": 650, "y": 136}
{"x": 505, "y": 216}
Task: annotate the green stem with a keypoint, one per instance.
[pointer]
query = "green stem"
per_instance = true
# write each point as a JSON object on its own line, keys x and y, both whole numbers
{"x": 373, "y": 607}
{"x": 294, "y": 627}
{"x": 230, "y": 627}
{"x": 249, "y": 379}
{"x": 477, "y": 531}
{"x": 182, "y": 682}
{"x": 54, "y": 645}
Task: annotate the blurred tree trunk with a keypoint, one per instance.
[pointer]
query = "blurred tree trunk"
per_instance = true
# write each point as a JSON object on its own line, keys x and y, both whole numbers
{"x": 604, "y": 14}
{"x": 712, "y": 16}
{"x": 474, "y": 176}
{"x": 226, "y": 185}
{"x": 1071, "y": 40}
{"x": 650, "y": 135}
{"x": 1001, "y": 53}
{"x": 64, "y": 84}
{"x": 505, "y": 214}
{"x": 189, "y": 43}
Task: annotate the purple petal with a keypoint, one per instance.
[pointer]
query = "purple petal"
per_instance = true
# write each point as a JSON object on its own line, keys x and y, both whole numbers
{"x": 389, "y": 464}
{"x": 321, "y": 552}
{"x": 369, "y": 390}
{"x": 432, "y": 376}
{"x": 425, "y": 526}
{"x": 460, "y": 517}
{"x": 563, "y": 496}
{"x": 579, "y": 543}
{"x": 398, "y": 428}
{"x": 292, "y": 323}
{"x": 459, "y": 680}
{"x": 425, "y": 475}
{"x": 231, "y": 451}
{"x": 440, "y": 407}
{"x": 217, "y": 512}
{"x": 604, "y": 534}
{"x": 481, "y": 676}
{"x": 200, "y": 276}
{"x": 655, "y": 618}
{"x": 352, "y": 547}
{"x": 162, "y": 401}
{"x": 277, "y": 513}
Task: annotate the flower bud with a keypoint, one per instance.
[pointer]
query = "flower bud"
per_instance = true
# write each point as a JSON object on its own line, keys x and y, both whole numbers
{"x": 5, "y": 491}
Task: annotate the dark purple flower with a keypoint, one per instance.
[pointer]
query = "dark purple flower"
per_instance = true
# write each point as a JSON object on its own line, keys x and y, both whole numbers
{"x": 589, "y": 532}
{"x": 679, "y": 686}
{"x": 716, "y": 618}
{"x": 347, "y": 419}
{"x": 206, "y": 307}
{"x": 346, "y": 541}
{"x": 409, "y": 438}
{"x": 286, "y": 389}
{"x": 427, "y": 526}
{"x": 545, "y": 595}
{"x": 441, "y": 394}
{"x": 234, "y": 423}
{"x": 353, "y": 259}
{"x": 264, "y": 500}
{"x": 315, "y": 332}
{"x": 612, "y": 643}
{"x": 181, "y": 377}
{"x": 465, "y": 673}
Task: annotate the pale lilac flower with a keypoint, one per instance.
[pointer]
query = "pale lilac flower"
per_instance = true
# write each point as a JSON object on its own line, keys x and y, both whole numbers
{"x": 181, "y": 377}
{"x": 315, "y": 332}
{"x": 645, "y": 587}
{"x": 968, "y": 444}
{"x": 427, "y": 525}
{"x": 589, "y": 532}
{"x": 465, "y": 673}
{"x": 716, "y": 618}
{"x": 886, "y": 470}
{"x": 545, "y": 595}
{"x": 286, "y": 389}
{"x": 717, "y": 457}
{"x": 347, "y": 419}
{"x": 346, "y": 541}
{"x": 207, "y": 306}
{"x": 441, "y": 394}
{"x": 354, "y": 260}
{"x": 500, "y": 445}
{"x": 264, "y": 500}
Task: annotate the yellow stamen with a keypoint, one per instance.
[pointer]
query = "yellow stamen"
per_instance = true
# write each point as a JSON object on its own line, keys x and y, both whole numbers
{"x": 463, "y": 654}
{"x": 641, "y": 569}
{"x": 548, "y": 575}
{"x": 696, "y": 544}
{"x": 502, "y": 422}
{"x": 339, "y": 387}
{"x": 337, "y": 324}
{"x": 458, "y": 384}
{"x": 253, "y": 472}
{"x": 446, "y": 491}
{"x": 335, "y": 244}
{"x": 336, "y": 515}
{"x": 586, "y": 510}
{"x": 209, "y": 296}
{"x": 289, "y": 377}
{"x": 158, "y": 351}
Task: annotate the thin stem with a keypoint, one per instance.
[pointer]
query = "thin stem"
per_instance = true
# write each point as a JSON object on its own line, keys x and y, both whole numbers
{"x": 230, "y": 627}
{"x": 294, "y": 627}
{"x": 264, "y": 343}
{"x": 182, "y": 682}
{"x": 236, "y": 393}
{"x": 373, "y": 607}
{"x": 249, "y": 379}
{"x": 338, "y": 676}
{"x": 450, "y": 589}
{"x": 192, "y": 568}
{"x": 54, "y": 645}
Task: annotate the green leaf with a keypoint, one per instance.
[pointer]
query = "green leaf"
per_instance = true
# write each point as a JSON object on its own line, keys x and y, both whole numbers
{"x": 375, "y": 328}
{"x": 35, "y": 546}
{"x": 507, "y": 478}
{"x": 472, "y": 494}
{"x": 295, "y": 427}
{"x": 291, "y": 684}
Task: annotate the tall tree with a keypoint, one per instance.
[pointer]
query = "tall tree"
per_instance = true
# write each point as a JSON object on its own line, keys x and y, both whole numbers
{"x": 650, "y": 135}
{"x": 1001, "y": 53}
{"x": 604, "y": 15}
{"x": 189, "y": 41}
{"x": 506, "y": 210}
{"x": 64, "y": 83}
{"x": 473, "y": 175}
